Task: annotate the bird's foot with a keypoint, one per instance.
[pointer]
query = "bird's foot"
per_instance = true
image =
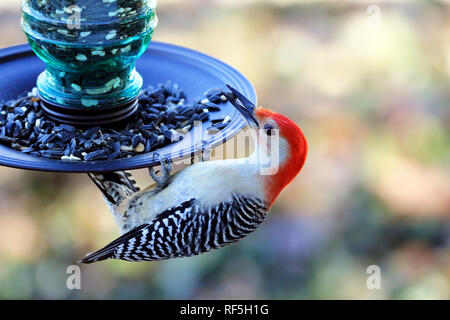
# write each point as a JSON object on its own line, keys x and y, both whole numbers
{"x": 163, "y": 180}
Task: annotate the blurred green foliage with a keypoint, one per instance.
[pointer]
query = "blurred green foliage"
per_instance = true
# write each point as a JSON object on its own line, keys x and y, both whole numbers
{"x": 373, "y": 101}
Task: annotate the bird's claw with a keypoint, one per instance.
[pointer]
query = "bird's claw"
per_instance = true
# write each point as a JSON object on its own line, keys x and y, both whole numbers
{"x": 163, "y": 180}
{"x": 166, "y": 166}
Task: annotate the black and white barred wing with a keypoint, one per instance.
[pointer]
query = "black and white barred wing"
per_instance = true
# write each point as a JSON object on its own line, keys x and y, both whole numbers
{"x": 140, "y": 241}
{"x": 185, "y": 231}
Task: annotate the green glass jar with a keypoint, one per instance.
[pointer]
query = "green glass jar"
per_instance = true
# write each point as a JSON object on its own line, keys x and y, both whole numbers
{"x": 90, "y": 48}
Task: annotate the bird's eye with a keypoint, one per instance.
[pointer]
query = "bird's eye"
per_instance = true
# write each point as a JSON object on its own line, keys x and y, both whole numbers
{"x": 269, "y": 129}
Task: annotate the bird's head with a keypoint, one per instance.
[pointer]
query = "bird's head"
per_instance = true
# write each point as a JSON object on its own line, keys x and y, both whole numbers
{"x": 274, "y": 130}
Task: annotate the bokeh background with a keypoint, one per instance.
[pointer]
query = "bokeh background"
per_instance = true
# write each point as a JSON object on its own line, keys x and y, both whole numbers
{"x": 368, "y": 82}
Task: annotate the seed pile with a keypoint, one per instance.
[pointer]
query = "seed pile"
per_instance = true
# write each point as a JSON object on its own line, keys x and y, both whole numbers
{"x": 162, "y": 118}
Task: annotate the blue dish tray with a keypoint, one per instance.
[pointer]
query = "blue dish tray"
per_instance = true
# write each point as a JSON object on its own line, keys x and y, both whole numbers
{"x": 193, "y": 71}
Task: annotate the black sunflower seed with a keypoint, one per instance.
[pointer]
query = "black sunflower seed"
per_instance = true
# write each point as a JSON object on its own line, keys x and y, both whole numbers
{"x": 136, "y": 140}
{"x": 168, "y": 134}
{"x": 203, "y": 117}
{"x": 218, "y": 120}
{"x": 27, "y": 150}
{"x": 220, "y": 126}
{"x": 152, "y": 110}
{"x": 95, "y": 155}
{"x": 64, "y": 127}
{"x": 114, "y": 155}
{"x": 20, "y": 111}
{"x": 46, "y": 138}
{"x": 91, "y": 132}
{"x": 213, "y": 95}
{"x": 212, "y": 106}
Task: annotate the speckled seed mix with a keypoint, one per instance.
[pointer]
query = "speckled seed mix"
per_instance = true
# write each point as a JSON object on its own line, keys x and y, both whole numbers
{"x": 162, "y": 118}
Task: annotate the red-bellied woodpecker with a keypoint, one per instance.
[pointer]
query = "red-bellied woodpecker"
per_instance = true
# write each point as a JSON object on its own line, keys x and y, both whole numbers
{"x": 207, "y": 205}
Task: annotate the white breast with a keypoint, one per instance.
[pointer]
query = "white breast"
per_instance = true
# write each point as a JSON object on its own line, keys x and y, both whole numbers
{"x": 208, "y": 182}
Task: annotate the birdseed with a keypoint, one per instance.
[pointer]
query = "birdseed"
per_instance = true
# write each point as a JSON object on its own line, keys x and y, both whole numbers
{"x": 163, "y": 117}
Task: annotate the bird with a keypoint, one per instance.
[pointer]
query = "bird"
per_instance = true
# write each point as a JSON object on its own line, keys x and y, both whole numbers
{"x": 209, "y": 204}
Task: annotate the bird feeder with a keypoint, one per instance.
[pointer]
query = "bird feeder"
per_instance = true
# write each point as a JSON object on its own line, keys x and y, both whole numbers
{"x": 90, "y": 63}
{"x": 90, "y": 50}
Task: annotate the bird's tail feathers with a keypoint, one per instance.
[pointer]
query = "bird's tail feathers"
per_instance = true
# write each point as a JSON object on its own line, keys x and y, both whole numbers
{"x": 97, "y": 256}
{"x": 109, "y": 251}
{"x": 115, "y": 186}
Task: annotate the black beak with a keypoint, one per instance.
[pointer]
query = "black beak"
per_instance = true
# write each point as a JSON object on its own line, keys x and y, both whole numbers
{"x": 243, "y": 105}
